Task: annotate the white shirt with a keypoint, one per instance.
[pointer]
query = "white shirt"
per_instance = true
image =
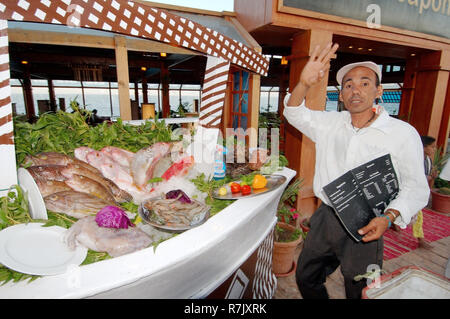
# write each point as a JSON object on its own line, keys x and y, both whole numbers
{"x": 340, "y": 148}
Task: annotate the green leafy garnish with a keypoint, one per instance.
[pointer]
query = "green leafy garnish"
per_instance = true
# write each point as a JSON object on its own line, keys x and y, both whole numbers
{"x": 155, "y": 180}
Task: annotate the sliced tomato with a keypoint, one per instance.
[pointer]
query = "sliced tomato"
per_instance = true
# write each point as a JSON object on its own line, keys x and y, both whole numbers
{"x": 235, "y": 188}
{"x": 246, "y": 189}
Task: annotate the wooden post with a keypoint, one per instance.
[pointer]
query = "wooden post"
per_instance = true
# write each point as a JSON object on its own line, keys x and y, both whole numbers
{"x": 254, "y": 96}
{"x": 110, "y": 99}
{"x": 136, "y": 92}
{"x": 284, "y": 84}
{"x": 82, "y": 95}
{"x": 301, "y": 150}
{"x": 165, "y": 90}
{"x": 196, "y": 109}
{"x": 428, "y": 104}
{"x": 144, "y": 89}
{"x": 123, "y": 79}
{"x": 444, "y": 130}
{"x": 51, "y": 93}
{"x": 408, "y": 89}
{"x": 28, "y": 94}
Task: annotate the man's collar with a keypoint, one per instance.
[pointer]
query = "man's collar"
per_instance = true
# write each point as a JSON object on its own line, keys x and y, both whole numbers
{"x": 381, "y": 123}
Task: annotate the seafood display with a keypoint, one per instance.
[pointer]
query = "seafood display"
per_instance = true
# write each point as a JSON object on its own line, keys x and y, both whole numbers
{"x": 174, "y": 213}
{"x": 116, "y": 242}
{"x": 113, "y": 174}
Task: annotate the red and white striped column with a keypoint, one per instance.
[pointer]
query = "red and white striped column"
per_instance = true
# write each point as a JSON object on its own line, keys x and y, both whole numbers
{"x": 213, "y": 92}
{"x": 7, "y": 150}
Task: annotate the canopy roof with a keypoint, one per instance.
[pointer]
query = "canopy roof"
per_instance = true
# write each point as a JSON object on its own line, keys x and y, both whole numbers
{"x": 138, "y": 20}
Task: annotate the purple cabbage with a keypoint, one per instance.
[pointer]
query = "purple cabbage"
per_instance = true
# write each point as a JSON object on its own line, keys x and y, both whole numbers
{"x": 113, "y": 217}
{"x": 178, "y": 193}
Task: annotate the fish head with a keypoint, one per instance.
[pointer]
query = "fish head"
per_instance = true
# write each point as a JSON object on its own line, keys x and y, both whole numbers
{"x": 81, "y": 153}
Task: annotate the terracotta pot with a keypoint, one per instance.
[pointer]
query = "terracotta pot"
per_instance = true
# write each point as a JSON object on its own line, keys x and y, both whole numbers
{"x": 440, "y": 202}
{"x": 283, "y": 253}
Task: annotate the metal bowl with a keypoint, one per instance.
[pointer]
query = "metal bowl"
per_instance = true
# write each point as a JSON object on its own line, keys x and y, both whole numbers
{"x": 148, "y": 217}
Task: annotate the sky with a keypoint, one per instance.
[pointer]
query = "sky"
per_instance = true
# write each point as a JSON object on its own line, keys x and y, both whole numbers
{"x": 214, "y": 5}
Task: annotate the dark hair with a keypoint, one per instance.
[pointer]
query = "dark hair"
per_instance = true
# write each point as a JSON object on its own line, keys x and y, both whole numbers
{"x": 427, "y": 140}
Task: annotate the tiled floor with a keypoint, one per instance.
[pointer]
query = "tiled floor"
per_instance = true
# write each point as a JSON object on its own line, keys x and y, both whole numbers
{"x": 434, "y": 260}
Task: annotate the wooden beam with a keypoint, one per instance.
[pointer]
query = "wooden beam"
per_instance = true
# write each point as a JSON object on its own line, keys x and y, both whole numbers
{"x": 83, "y": 40}
{"x": 123, "y": 79}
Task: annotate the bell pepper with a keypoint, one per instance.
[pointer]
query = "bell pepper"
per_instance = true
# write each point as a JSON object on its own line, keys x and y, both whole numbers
{"x": 259, "y": 181}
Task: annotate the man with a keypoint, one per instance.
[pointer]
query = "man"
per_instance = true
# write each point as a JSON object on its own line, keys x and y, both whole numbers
{"x": 345, "y": 140}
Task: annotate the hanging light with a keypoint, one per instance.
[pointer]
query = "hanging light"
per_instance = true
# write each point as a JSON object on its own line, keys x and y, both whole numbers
{"x": 143, "y": 68}
{"x": 24, "y": 62}
{"x": 163, "y": 54}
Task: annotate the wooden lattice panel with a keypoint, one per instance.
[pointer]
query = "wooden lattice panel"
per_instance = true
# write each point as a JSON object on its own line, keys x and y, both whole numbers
{"x": 134, "y": 19}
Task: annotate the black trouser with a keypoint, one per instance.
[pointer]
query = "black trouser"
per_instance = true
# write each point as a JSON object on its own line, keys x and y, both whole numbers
{"x": 327, "y": 246}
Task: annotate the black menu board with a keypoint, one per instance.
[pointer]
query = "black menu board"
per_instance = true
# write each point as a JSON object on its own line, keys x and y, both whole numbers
{"x": 363, "y": 193}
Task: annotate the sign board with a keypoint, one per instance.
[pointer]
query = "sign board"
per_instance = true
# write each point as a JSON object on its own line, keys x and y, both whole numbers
{"x": 425, "y": 16}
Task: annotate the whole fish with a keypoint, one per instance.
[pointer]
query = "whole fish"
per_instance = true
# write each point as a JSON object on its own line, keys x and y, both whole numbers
{"x": 125, "y": 182}
{"x": 47, "y": 187}
{"x": 98, "y": 158}
{"x": 116, "y": 242}
{"x": 84, "y": 184}
{"x": 179, "y": 168}
{"x": 145, "y": 160}
{"x": 85, "y": 165}
{"x": 75, "y": 204}
{"x": 47, "y": 172}
{"x": 54, "y": 158}
{"x": 120, "y": 195}
{"x": 81, "y": 152}
{"x": 119, "y": 155}
{"x": 47, "y": 158}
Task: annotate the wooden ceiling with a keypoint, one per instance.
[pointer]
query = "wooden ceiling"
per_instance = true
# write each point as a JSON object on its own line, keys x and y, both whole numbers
{"x": 276, "y": 40}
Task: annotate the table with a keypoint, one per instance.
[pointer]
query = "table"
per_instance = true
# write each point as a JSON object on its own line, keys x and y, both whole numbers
{"x": 193, "y": 264}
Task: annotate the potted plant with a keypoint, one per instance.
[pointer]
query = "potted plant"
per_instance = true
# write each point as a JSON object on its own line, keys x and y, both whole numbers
{"x": 287, "y": 234}
{"x": 440, "y": 191}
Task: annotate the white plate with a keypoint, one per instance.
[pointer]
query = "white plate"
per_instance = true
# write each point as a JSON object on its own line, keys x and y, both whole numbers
{"x": 35, "y": 250}
{"x": 36, "y": 202}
